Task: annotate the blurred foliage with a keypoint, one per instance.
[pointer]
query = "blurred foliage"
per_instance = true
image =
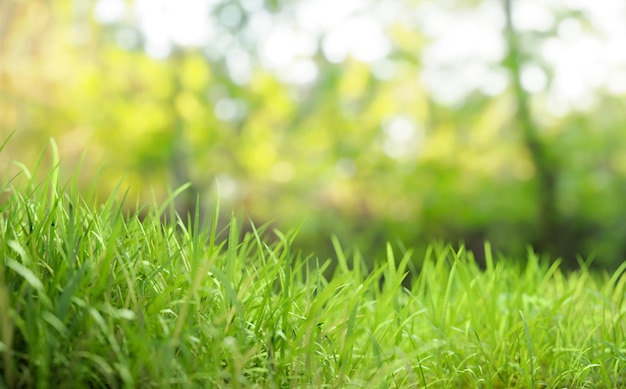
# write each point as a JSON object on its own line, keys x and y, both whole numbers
{"x": 321, "y": 153}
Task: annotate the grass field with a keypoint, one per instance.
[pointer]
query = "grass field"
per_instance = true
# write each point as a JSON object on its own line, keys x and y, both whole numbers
{"x": 93, "y": 297}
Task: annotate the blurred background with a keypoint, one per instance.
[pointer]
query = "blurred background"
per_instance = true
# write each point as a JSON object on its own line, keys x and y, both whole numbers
{"x": 407, "y": 121}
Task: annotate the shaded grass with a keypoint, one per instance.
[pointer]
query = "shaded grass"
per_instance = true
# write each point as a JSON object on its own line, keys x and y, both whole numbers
{"x": 93, "y": 297}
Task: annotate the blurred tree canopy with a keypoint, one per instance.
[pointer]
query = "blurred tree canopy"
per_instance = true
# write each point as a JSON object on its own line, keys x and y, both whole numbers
{"x": 398, "y": 120}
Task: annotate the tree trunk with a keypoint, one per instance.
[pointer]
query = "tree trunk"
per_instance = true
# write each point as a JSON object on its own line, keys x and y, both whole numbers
{"x": 546, "y": 173}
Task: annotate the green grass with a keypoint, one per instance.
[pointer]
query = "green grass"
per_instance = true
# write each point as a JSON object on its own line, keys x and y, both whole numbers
{"x": 93, "y": 297}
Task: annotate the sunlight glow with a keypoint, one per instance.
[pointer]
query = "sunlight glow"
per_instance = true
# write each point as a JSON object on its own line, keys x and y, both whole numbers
{"x": 534, "y": 79}
{"x": 401, "y": 138}
{"x": 109, "y": 11}
{"x": 463, "y": 55}
{"x": 361, "y": 37}
{"x": 228, "y": 110}
{"x": 166, "y": 23}
{"x": 463, "y": 49}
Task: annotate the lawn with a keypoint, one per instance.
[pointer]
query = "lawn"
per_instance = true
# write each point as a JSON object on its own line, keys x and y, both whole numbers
{"x": 92, "y": 296}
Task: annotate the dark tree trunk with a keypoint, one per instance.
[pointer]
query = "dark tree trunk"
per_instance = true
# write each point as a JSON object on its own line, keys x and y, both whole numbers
{"x": 546, "y": 172}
